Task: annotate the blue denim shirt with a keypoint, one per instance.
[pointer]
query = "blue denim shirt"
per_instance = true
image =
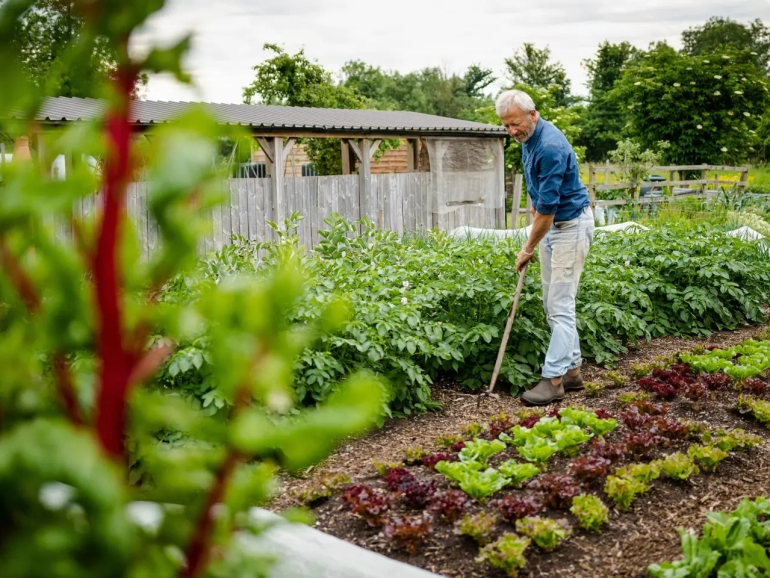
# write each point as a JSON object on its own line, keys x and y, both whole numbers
{"x": 551, "y": 170}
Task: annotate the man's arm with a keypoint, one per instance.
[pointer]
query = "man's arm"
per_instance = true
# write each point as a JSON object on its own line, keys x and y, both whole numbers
{"x": 551, "y": 170}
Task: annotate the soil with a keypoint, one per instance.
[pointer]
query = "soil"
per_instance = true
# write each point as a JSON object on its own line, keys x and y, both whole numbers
{"x": 646, "y": 534}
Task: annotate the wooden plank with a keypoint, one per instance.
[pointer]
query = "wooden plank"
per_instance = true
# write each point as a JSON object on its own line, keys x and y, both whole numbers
{"x": 518, "y": 185}
{"x": 243, "y": 206}
{"x": 679, "y": 168}
{"x": 143, "y": 217}
{"x": 251, "y": 209}
{"x": 262, "y": 191}
{"x": 226, "y": 208}
{"x": 528, "y": 215}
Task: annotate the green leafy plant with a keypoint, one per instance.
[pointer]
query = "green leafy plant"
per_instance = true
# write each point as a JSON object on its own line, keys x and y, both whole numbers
{"x": 383, "y": 467}
{"x": 732, "y": 544}
{"x": 481, "y": 450}
{"x": 478, "y": 483}
{"x": 506, "y": 553}
{"x": 729, "y": 440}
{"x": 633, "y": 397}
{"x": 616, "y": 379}
{"x": 414, "y": 455}
{"x": 590, "y": 511}
{"x": 472, "y": 430}
{"x": 643, "y": 473}
{"x": 593, "y": 388}
{"x": 480, "y": 527}
{"x": 623, "y": 491}
{"x": 758, "y": 407}
{"x": 518, "y": 473}
{"x": 447, "y": 441}
{"x": 322, "y": 490}
{"x": 112, "y": 351}
{"x": 544, "y": 532}
{"x": 678, "y": 466}
{"x": 707, "y": 457}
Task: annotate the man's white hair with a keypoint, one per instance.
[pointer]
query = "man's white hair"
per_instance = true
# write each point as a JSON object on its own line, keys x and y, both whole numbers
{"x": 511, "y": 98}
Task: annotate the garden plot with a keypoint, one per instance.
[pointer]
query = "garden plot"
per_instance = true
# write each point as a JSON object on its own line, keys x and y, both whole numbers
{"x": 652, "y": 451}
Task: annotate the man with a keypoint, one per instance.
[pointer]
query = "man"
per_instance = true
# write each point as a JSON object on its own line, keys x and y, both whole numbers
{"x": 563, "y": 227}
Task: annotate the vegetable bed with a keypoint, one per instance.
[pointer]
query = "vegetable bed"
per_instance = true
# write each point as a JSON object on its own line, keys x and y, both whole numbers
{"x": 676, "y": 452}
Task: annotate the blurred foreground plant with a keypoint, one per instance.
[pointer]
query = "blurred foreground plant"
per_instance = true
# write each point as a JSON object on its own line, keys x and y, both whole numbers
{"x": 81, "y": 328}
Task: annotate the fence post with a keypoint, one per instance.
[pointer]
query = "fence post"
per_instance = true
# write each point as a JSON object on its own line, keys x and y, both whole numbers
{"x": 592, "y": 184}
{"x": 606, "y": 173}
{"x": 704, "y": 175}
{"x": 744, "y": 180}
{"x": 516, "y": 203}
{"x": 529, "y": 210}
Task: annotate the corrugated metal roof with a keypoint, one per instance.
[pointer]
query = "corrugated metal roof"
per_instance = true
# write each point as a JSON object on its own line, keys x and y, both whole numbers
{"x": 278, "y": 118}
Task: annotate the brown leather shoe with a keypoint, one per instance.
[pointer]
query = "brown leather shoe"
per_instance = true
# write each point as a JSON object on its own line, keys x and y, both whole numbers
{"x": 544, "y": 393}
{"x": 573, "y": 383}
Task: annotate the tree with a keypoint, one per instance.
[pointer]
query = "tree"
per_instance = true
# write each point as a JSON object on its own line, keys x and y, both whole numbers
{"x": 293, "y": 80}
{"x": 723, "y": 33}
{"x": 44, "y": 38}
{"x": 532, "y": 66}
{"x": 430, "y": 90}
{"x": 603, "y": 120}
{"x": 707, "y": 107}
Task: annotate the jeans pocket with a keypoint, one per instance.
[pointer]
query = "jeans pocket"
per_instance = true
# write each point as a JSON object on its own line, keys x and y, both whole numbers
{"x": 562, "y": 225}
{"x": 563, "y": 255}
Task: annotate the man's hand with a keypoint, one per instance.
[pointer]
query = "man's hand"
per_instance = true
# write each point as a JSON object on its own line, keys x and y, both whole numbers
{"x": 525, "y": 256}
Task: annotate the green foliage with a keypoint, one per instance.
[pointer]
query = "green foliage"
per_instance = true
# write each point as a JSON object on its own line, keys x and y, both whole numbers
{"x": 448, "y": 440}
{"x": 718, "y": 34}
{"x": 294, "y": 80}
{"x": 518, "y": 473}
{"x": 324, "y": 489}
{"x": 712, "y": 104}
{"x": 679, "y": 467}
{"x": 480, "y": 450}
{"x": 633, "y": 397}
{"x": 480, "y": 527}
{"x": 506, "y": 553}
{"x": 587, "y": 419}
{"x": 593, "y": 388}
{"x": 382, "y": 467}
{"x": 532, "y": 66}
{"x": 758, "y": 407}
{"x": 430, "y": 90}
{"x": 414, "y": 455}
{"x": 708, "y": 457}
{"x": 478, "y": 483}
{"x": 729, "y": 440}
{"x": 634, "y": 161}
{"x": 623, "y": 491}
{"x": 643, "y": 473}
{"x": 615, "y": 378}
{"x": 732, "y": 544}
{"x": 544, "y": 532}
{"x": 603, "y": 120}
{"x": 754, "y": 360}
{"x": 90, "y": 423}
{"x": 472, "y": 430}
{"x": 590, "y": 511}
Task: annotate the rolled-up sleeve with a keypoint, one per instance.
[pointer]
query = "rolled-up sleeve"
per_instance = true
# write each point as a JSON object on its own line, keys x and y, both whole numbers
{"x": 550, "y": 176}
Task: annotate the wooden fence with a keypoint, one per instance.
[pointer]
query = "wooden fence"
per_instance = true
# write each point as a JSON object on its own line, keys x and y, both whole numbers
{"x": 397, "y": 202}
{"x": 679, "y": 186}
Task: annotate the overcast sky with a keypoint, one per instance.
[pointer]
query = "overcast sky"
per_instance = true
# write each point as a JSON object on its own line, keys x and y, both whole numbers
{"x": 405, "y": 35}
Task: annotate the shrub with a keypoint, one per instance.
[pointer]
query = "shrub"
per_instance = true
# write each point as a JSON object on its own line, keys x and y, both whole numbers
{"x": 590, "y": 511}
{"x": 544, "y": 532}
{"x": 506, "y": 553}
{"x": 480, "y": 527}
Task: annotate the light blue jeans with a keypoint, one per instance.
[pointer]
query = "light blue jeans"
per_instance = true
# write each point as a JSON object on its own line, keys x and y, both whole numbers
{"x": 563, "y": 253}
